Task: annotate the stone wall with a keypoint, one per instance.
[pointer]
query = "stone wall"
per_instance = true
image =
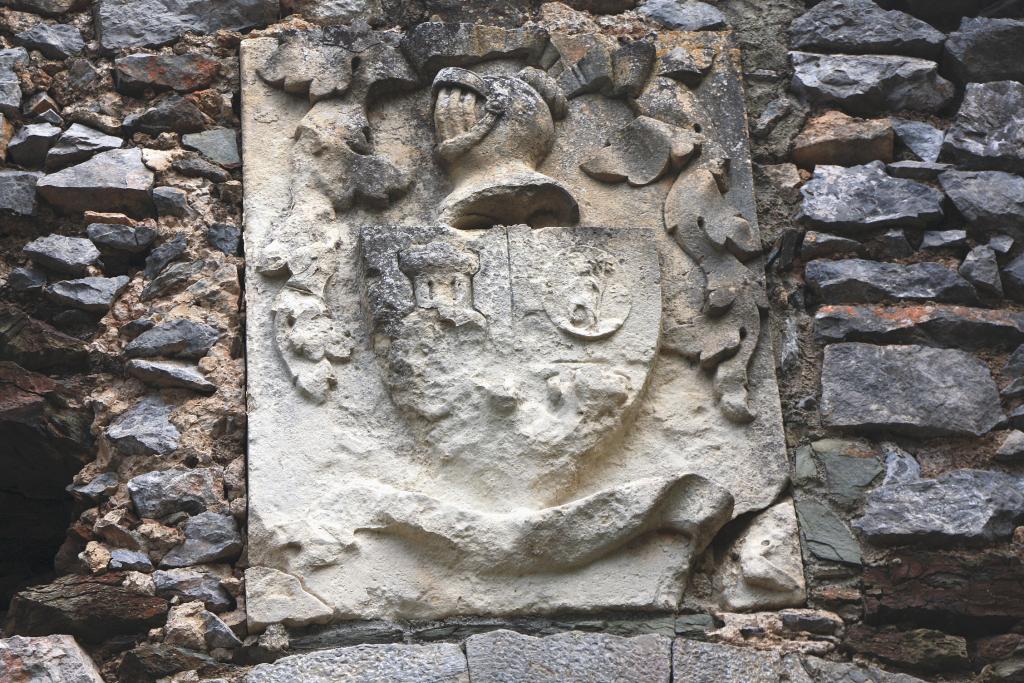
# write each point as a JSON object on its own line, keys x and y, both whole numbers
{"x": 888, "y": 152}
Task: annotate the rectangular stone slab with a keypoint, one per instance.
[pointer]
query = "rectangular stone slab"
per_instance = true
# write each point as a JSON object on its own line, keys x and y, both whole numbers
{"x": 452, "y": 412}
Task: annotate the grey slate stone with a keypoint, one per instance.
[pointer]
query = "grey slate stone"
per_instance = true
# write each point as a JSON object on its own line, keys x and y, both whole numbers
{"x": 122, "y": 560}
{"x": 989, "y": 200}
{"x": 193, "y": 583}
{"x": 195, "y": 167}
{"x": 172, "y": 114}
{"x": 894, "y": 244}
{"x": 944, "y": 239}
{"x": 10, "y": 88}
{"x": 13, "y": 57}
{"x": 1013, "y": 278}
{"x": 1001, "y": 244}
{"x": 900, "y": 466}
{"x": 861, "y": 26}
{"x": 174, "y": 339}
{"x": 437, "y": 663}
{"x": 169, "y": 251}
{"x": 134, "y": 74}
{"x": 93, "y": 294}
{"x": 988, "y": 132}
{"x": 51, "y": 117}
{"x": 77, "y": 144}
{"x": 170, "y": 201}
{"x": 18, "y": 191}
{"x": 981, "y": 269}
{"x": 923, "y": 139}
{"x": 684, "y": 15}
{"x": 69, "y": 255}
{"x": 30, "y": 144}
{"x": 1012, "y": 448}
{"x": 821, "y": 244}
{"x": 26, "y": 279}
{"x": 219, "y": 145}
{"x": 849, "y": 477}
{"x": 507, "y": 657}
{"x": 148, "y": 23}
{"x": 908, "y": 389}
{"x": 870, "y": 84}
{"x": 224, "y": 237}
{"x": 55, "y": 41}
{"x": 960, "y": 507}
{"x": 938, "y": 325}
{"x": 824, "y": 534}
{"x": 46, "y": 659}
{"x": 124, "y": 238}
{"x": 209, "y": 537}
{"x": 864, "y": 197}
{"x": 861, "y": 281}
{"x": 110, "y": 181}
{"x": 985, "y": 49}
{"x": 101, "y": 486}
{"x": 176, "y": 276}
{"x": 170, "y": 374}
{"x": 917, "y": 170}
{"x": 145, "y": 429}
{"x": 159, "y": 494}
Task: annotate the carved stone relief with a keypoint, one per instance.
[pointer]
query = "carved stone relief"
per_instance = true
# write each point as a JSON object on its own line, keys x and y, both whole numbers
{"x": 505, "y": 324}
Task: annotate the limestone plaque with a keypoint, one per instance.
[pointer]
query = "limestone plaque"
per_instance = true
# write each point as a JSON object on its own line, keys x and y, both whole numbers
{"x": 505, "y": 348}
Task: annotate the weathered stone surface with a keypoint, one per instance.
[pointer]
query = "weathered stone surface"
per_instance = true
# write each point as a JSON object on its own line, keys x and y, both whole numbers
{"x": 858, "y": 281}
{"x": 870, "y": 84}
{"x": 988, "y": 128}
{"x": 145, "y": 429}
{"x": 336, "y": 11}
{"x": 158, "y": 661}
{"x": 171, "y": 374}
{"x": 55, "y": 41}
{"x": 224, "y": 237}
{"x": 763, "y": 569}
{"x": 134, "y": 74}
{"x": 30, "y": 144}
{"x": 966, "y": 588}
{"x": 34, "y": 345}
{"x": 195, "y": 167}
{"x": 122, "y": 560}
{"x": 27, "y": 279}
{"x": 989, "y": 200}
{"x": 273, "y": 597}
{"x": 824, "y": 533}
{"x": 918, "y": 649}
{"x": 191, "y": 626}
{"x": 907, "y": 389}
{"x": 1013, "y": 278}
{"x": 147, "y": 23}
{"x": 981, "y": 269}
{"x": 110, "y": 181}
{"x": 443, "y": 663}
{"x": 172, "y": 114}
{"x": 46, "y": 7}
{"x": 209, "y": 537}
{"x": 1012, "y": 448}
{"x": 93, "y": 294}
{"x": 944, "y": 239}
{"x": 18, "y": 191}
{"x": 69, "y": 255}
{"x": 861, "y": 26}
{"x": 837, "y": 139}
{"x": 170, "y": 201}
{"x": 917, "y": 170}
{"x": 77, "y": 144}
{"x": 91, "y": 608}
{"x": 930, "y": 325}
{"x": 848, "y": 477}
{"x": 159, "y": 494}
{"x": 122, "y": 238}
{"x": 508, "y": 656}
{"x": 100, "y": 487}
{"x": 176, "y": 339}
{"x": 193, "y": 583}
{"x": 684, "y": 15}
{"x": 863, "y": 197}
{"x": 49, "y": 659}
{"x": 923, "y": 139}
{"x": 820, "y": 244}
{"x": 219, "y": 145}
{"x": 170, "y": 250}
{"x": 985, "y": 49}
{"x": 173, "y": 278}
{"x": 961, "y": 507}
{"x": 10, "y": 89}
{"x": 517, "y": 486}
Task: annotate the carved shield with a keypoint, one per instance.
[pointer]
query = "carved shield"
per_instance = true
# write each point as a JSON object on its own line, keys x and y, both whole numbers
{"x": 514, "y": 352}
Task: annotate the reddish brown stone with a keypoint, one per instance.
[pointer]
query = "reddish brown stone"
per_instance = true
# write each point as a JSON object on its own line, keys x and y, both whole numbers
{"x": 135, "y": 73}
{"x": 918, "y": 649}
{"x": 840, "y": 140}
{"x": 91, "y": 608}
{"x": 997, "y": 648}
{"x": 931, "y": 325}
{"x": 954, "y": 587}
